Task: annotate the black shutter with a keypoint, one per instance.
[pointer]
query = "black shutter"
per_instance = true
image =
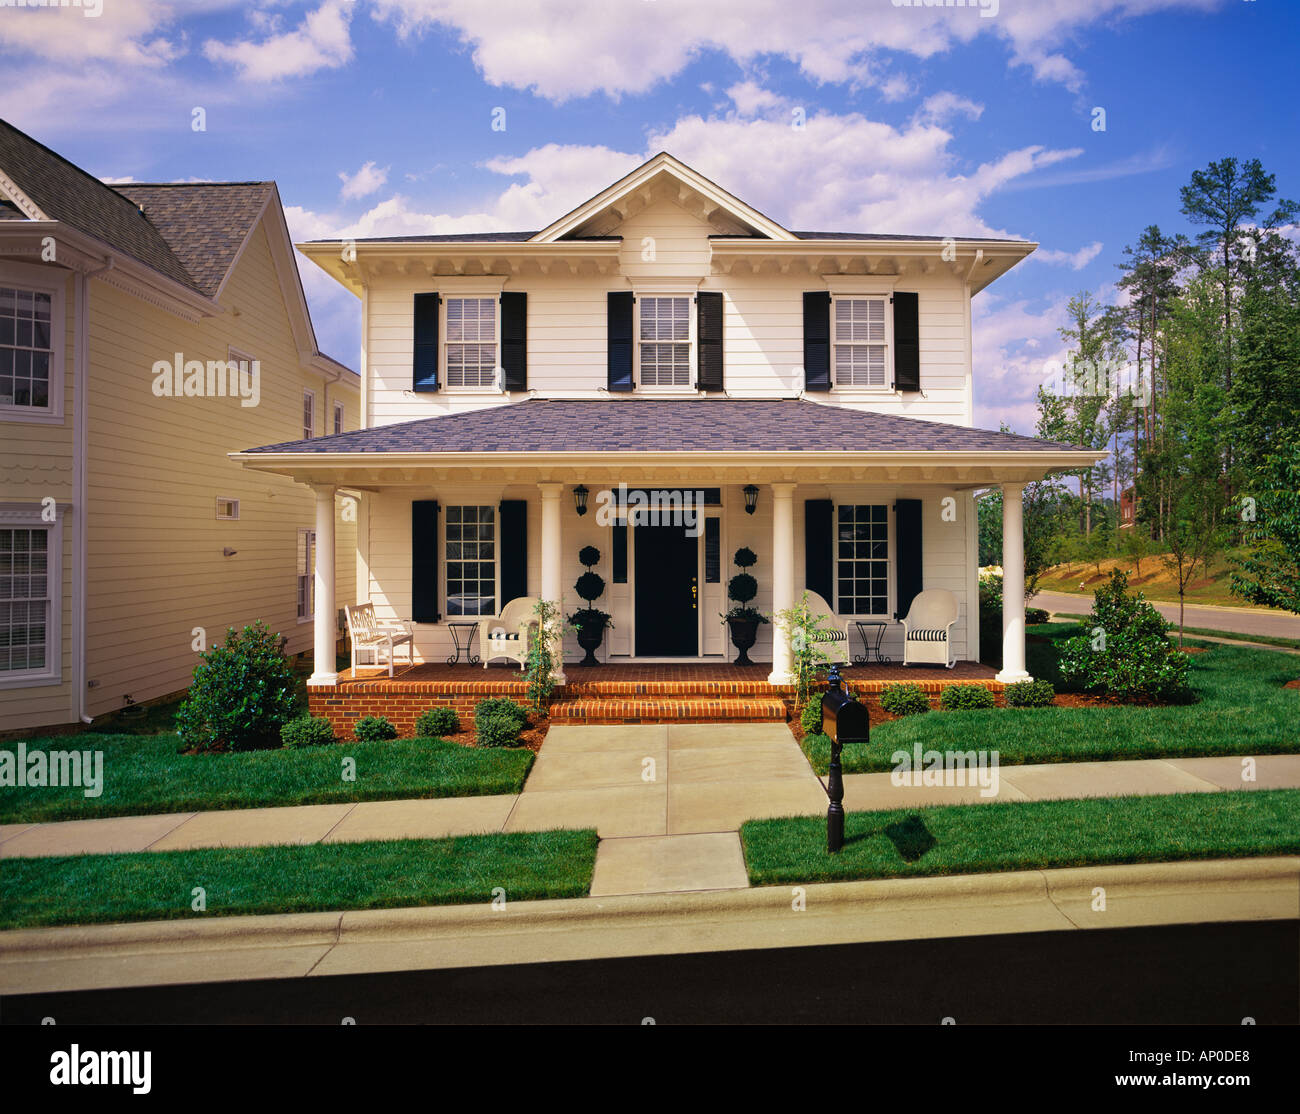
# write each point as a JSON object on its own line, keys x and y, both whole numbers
{"x": 424, "y": 357}
{"x": 818, "y": 554}
{"x": 907, "y": 343}
{"x": 907, "y": 553}
{"x": 817, "y": 342}
{"x": 618, "y": 551}
{"x": 708, "y": 309}
{"x": 619, "y": 330}
{"x": 514, "y": 341}
{"x": 514, "y": 550}
{"x": 426, "y": 570}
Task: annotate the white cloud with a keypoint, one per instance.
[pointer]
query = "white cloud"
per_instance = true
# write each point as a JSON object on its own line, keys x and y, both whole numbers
{"x": 364, "y": 182}
{"x": 126, "y": 32}
{"x": 1075, "y": 260}
{"x": 1015, "y": 346}
{"x": 940, "y": 107}
{"x": 750, "y": 98}
{"x": 593, "y": 46}
{"x": 321, "y": 41}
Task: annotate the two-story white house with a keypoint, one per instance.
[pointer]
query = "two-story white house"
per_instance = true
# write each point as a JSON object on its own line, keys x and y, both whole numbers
{"x": 813, "y": 390}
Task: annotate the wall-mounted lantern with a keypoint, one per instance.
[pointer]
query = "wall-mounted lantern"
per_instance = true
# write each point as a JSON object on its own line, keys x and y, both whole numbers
{"x": 580, "y": 499}
{"x": 751, "y": 498}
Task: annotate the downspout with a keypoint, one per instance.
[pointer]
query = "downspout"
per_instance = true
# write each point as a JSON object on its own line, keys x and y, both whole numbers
{"x": 80, "y": 433}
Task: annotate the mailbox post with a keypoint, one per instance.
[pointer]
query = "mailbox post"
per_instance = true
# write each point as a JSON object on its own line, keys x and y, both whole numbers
{"x": 846, "y": 722}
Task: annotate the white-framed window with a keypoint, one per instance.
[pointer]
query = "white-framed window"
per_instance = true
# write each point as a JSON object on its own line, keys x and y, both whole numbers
{"x": 665, "y": 336}
{"x": 227, "y": 508}
{"x": 860, "y": 338}
{"x": 306, "y": 575}
{"x": 308, "y": 415}
{"x": 470, "y": 347}
{"x": 32, "y": 324}
{"x": 469, "y": 543}
{"x": 31, "y": 551}
{"x": 338, "y": 417}
{"x": 862, "y": 558}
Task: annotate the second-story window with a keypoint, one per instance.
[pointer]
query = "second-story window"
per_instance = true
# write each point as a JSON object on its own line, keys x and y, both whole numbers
{"x": 665, "y": 341}
{"x": 26, "y": 347}
{"x": 338, "y": 417}
{"x": 471, "y": 342}
{"x": 308, "y": 415}
{"x": 860, "y": 342}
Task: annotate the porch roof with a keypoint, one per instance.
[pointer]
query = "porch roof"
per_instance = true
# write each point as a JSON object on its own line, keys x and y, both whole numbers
{"x": 774, "y": 437}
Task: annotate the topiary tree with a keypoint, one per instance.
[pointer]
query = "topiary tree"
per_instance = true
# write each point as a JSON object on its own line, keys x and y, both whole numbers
{"x": 242, "y": 694}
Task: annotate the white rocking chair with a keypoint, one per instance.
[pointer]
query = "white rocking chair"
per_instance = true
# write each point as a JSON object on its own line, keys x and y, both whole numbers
{"x": 927, "y": 630}
{"x": 836, "y": 645}
{"x": 507, "y": 635}
{"x": 369, "y": 635}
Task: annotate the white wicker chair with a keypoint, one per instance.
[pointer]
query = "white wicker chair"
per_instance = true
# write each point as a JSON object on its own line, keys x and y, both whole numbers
{"x": 369, "y": 635}
{"x": 507, "y": 635}
{"x": 927, "y": 630}
{"x": 836, "y": 646}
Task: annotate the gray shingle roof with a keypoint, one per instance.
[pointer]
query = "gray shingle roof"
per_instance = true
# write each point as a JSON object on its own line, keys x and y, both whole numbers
{"x": 204, "y": 223}
{"x": 666, "y": 425}
{"x": 65, "y": 192}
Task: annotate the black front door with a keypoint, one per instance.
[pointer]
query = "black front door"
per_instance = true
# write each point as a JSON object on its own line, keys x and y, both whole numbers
{"x": 667, "y": 592}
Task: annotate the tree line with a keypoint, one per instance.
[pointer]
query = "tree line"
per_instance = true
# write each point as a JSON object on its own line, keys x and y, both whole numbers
{"x": 1190, "y": 381}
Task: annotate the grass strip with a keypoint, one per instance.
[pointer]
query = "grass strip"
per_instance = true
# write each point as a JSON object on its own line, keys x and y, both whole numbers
{"x": 159, "y": 885}
{"x": 1025, "y": 835}
{"x": 148, "y": 774}
{"x": 1213, "y": 632}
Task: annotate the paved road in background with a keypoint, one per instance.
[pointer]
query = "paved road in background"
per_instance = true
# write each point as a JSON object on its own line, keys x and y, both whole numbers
{"x": 1166, "y": 975}
{"x": 1237, "y": 619}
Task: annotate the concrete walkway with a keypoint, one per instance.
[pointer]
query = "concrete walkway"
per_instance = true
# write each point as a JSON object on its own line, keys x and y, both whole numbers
{"x": 667, "y": 801}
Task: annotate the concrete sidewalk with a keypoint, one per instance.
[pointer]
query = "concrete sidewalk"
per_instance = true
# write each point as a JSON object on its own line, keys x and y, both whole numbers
{"x": 226, "y": 949}
{"x": 667, "y": 801}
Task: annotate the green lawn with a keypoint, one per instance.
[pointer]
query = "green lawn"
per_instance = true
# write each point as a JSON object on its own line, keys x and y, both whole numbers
{"x": 147, "y": 773}
{"x": 90, "y": 889}
{"x": 1028, "y": 835}
{"x": 1241, "y": 708}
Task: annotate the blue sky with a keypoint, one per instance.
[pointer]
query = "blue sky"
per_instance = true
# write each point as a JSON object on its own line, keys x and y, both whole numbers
{"x": 375, "y": 118}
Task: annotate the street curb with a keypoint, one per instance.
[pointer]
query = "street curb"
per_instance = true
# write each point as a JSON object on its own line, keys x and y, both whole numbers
{"x": 294, "y": 945}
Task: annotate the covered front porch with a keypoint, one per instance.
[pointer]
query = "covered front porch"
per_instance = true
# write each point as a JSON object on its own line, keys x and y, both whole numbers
{"x": 459, "y": 515}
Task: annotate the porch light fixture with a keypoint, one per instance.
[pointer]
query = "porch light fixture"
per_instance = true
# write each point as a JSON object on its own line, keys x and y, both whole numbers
{"x": 580, "y": 499}
{"x": 751, "y": 498}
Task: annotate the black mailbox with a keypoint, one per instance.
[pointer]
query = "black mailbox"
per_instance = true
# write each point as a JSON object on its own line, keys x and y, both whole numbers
{"x": 843, "y": 718}
{"x": 845, "y": 721}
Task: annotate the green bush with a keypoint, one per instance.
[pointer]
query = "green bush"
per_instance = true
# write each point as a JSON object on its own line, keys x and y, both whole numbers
{"x": 437, "y": 722}
{"x": 1036, "y": 615}
{"x": 242, "y": 694}
{"x": 1125, "y": 653}
{"x": 904, "y": 700}
{"x": 373, "y": 729}
{"x": 501, "y": 706}
{"x": 955, "y": 698}
{"x": 307, "y": 731}
{"x": 1029, "y": 694}
{"x": 496, "y": 729}
{"x": 810, "y": 719}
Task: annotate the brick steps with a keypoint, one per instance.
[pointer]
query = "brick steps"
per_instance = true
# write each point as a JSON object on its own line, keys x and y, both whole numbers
{"x": 669, "y": 708}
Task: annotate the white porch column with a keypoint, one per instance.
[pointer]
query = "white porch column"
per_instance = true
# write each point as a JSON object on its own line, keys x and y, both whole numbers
{"x": 553, "y": 560}
{"x": 1013, "y": 584}
{"x": 782, "y": 580}
{"x": 323, "y": 671}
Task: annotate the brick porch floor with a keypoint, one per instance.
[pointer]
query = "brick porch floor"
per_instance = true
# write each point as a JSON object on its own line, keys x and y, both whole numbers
{"x": 693, "y": 692}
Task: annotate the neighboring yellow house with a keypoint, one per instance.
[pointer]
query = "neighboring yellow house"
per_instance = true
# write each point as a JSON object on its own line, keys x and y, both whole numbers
{"x": 146, "y": 331}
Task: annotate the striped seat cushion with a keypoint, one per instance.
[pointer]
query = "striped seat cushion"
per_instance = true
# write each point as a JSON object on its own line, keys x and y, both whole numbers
{"x": 927, "y": 635}
{"x": 835, "y": 636}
